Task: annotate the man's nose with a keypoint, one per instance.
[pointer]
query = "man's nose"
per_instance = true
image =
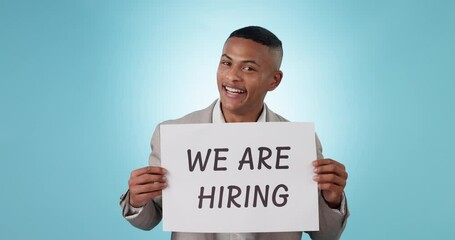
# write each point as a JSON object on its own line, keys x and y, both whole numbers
{"x": 233, "y": 74}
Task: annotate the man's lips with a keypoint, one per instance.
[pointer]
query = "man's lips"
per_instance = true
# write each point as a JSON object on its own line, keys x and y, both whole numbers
{"x": 233, "y": 90}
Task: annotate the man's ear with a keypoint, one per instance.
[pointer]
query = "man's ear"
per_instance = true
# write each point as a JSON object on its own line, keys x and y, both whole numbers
{"x": 276, "y": 80}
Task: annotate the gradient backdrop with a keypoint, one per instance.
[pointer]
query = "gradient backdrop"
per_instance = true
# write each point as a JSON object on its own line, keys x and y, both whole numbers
{"x": 83, "y": 84}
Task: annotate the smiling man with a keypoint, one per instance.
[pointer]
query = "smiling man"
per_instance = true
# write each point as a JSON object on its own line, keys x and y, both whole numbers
{"x": 248, "y": 69}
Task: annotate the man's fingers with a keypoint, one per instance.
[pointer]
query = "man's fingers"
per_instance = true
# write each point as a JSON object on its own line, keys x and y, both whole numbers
{"x": 145, "y": 184}
{"x": 331, "y": 168}
{"x": 142, "y": 199}
{"x": 330, "y": 179}
{"x": 148, "y": 170}
{"x": 140, "y": 195}
{"x": 327, "y": 161}
{"x": 148, "y": 188}
{"x": 145, "y": 179}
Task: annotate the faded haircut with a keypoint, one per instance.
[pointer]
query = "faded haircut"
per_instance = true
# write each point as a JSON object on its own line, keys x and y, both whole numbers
{"x": 259, "y": 35}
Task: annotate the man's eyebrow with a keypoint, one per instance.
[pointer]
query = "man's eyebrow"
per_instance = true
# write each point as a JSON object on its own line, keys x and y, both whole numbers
{"x": 226, "y": 56}
{"x": 244, "y": 61}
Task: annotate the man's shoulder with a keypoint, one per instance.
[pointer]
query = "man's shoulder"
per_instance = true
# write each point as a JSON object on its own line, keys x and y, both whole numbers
{"x": 199, "y": 116}
{"x": 274, "y": 117}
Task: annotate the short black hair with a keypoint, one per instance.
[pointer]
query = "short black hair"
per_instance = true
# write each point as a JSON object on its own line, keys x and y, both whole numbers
{"x": 259, "y": 35}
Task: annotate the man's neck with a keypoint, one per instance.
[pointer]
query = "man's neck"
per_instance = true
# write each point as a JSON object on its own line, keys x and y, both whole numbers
{"x": 232, "y": 117}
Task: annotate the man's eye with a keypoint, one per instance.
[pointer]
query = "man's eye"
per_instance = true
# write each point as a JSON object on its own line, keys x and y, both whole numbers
{"x": 226, "y": 63}
{"x": 248, "y": 69}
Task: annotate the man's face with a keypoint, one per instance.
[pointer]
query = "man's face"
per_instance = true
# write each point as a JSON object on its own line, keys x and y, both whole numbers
{"x": 246, "y": 72}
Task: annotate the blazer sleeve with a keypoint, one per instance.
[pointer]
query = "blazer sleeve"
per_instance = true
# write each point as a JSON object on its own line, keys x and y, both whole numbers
{"x": 331, "y": 221}
{"x": 149, "y": 215}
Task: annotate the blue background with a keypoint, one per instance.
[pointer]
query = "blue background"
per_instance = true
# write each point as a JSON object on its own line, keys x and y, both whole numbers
{"x": 83, "y": 84}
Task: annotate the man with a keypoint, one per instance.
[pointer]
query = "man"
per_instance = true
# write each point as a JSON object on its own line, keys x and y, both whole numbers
{"x": 248, "y": 69}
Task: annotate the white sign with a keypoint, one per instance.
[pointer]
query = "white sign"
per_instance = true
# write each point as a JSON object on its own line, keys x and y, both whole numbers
{"x": 239, "y": 177}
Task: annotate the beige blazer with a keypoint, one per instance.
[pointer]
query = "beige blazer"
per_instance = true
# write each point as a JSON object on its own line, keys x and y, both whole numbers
{"x": 331, "y": 221}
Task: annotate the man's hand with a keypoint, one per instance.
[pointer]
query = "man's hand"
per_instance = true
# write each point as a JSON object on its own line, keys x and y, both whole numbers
{"x": 145, "y": 184}
{"x": 331, "y": 177}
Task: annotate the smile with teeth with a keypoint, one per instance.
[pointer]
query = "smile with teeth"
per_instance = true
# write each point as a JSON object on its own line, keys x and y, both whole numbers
{"x": 234, "y": 90}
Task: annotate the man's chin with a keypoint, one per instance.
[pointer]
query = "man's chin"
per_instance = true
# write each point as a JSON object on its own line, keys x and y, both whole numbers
{"x": 229, "y": 106}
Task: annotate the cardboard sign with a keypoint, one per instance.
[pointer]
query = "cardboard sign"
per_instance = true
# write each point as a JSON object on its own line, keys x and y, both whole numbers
{"x": 239, "y": 177}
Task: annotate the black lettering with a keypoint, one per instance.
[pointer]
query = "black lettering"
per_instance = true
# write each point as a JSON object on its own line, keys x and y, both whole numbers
{"x": 198, "y": 158}
{"x": 282, "y": 196}
{"x": 264, "y": 197}
{"x": 279, "y": 157}
{"x": 218, "y": 158}
{"x": 220, "y": 200}
{"x": 262, "y": 158}
{"x": 247, "y": 196}
{"x": 202, "y": 196}
{"x": 246, "y": 154}
{"x": 232, "y": 197}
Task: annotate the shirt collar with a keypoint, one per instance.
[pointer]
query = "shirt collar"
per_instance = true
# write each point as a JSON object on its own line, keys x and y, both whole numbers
{"x": 217, "y": 115}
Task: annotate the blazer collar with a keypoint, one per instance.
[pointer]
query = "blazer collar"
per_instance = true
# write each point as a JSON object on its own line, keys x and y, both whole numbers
{"x": 270, "y": 115}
